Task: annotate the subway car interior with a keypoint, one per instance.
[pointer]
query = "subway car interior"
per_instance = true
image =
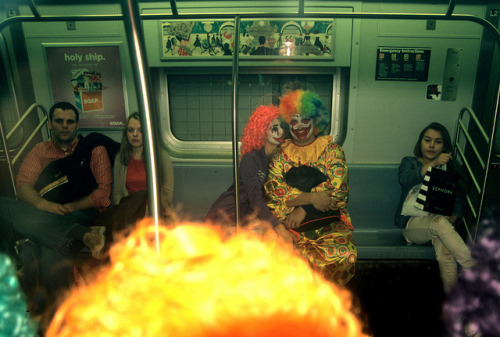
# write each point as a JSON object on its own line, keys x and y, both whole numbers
{"x": 385, "y": 69}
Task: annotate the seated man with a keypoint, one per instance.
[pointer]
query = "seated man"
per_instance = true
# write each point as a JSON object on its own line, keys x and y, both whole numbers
{"x": 61, "y": 185}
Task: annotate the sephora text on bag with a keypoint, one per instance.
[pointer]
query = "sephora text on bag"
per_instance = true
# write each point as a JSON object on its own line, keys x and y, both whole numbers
{"x": 438, "y": 192}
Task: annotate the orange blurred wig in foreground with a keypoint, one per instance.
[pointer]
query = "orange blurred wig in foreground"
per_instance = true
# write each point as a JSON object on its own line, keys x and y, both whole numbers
{"x": 202, "y": 283}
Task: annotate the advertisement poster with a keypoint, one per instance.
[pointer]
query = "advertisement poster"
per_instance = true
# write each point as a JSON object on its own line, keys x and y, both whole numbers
{"x": 91, "y": 79}
{"x": 258, "y": 38}
{"x": 402, "y": 64}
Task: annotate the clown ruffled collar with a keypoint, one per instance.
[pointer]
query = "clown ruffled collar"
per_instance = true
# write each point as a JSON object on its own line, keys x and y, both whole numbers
{"x": 308, "y": 153}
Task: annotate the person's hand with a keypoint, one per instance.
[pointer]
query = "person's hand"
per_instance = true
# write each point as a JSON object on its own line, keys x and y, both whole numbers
{"x": 284, "y": 234}
{"x": 70, "y": 207}
{"x": 263, "y": 229}
{"x": 294, "y": 219}
{"x": 321, "y": 201}
{"x": 53, "y": 207}
{"x": 442, "y": 159}
{"x": 334, "y": 204}
{"x": 452, "y": 218}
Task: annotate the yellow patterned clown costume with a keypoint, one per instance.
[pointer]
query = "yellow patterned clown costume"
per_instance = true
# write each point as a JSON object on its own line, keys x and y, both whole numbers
{"x": 329, "y": 249}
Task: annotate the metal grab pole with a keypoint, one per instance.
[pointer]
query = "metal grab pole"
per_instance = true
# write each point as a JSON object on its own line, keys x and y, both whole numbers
{"x": 133, "y": 28}
{"x": 236, "y": 161}
{"x": 451, "y": 7}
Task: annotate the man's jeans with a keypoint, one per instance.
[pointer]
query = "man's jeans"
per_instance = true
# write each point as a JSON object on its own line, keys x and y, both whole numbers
{"x": 47, "y": 230}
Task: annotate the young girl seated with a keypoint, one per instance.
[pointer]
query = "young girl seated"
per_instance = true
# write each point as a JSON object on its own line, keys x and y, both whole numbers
{"x": 433, "y": 149}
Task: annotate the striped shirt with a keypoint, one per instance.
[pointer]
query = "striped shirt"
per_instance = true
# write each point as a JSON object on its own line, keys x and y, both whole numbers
{"x": 44, "y": 153}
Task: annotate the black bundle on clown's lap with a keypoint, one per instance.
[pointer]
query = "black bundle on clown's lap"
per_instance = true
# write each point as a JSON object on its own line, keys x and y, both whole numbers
{"x": 306, "y": 178}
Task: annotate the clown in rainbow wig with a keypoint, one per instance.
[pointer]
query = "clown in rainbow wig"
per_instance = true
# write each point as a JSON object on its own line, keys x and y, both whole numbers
{"x": 201, "y": 283}
{"x": 309, "y": 105}
{"x": 261, "y": 136}
{"x": 307, "y": 189}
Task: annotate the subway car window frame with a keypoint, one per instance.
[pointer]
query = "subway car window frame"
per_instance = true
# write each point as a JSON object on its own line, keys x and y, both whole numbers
{"x": 203, "y": 103}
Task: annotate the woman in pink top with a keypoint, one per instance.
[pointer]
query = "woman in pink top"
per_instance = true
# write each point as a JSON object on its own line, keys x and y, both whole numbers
{"x": 129, "y": 171}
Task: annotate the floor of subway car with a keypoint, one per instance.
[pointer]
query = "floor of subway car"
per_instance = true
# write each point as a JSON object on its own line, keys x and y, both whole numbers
{"x": 393, "y": 298}
{"x": 399, "y": 298}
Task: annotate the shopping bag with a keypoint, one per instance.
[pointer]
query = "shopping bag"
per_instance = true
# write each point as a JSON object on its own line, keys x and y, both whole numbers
{"x": 411, "y": 206}
{"x": 438, "y": 191}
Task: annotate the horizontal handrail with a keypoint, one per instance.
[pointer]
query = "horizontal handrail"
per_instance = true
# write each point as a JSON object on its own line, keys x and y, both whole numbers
{"x": 23, "y": 117}
{"x": 334, "y": 15}
{"x": 21, "y": 150}
{"x": 469, "y": 169}
{"x": 476, "y": 120}
{"x": 469, "y": 234}
{"x": 462, "y": 129}
{"x": 471, "y": 142}
{"x": 5, "y": 139}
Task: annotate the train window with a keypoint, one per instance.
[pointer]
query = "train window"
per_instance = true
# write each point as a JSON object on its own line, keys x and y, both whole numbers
{"x": 200, "y": 106}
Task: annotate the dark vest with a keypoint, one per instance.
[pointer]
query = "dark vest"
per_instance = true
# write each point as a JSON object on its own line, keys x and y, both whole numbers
{"x": 70, "y": 178}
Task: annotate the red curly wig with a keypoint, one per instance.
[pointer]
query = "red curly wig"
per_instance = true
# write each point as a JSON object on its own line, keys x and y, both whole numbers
{"x": 199, "y": 282}
{"x": 254, "y": 134}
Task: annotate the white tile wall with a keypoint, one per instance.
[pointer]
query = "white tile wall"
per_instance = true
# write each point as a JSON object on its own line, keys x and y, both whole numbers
{"x": 200, "y": 105}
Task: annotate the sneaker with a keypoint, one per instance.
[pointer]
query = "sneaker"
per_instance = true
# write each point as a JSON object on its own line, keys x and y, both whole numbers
{"x": 95, "y": 240}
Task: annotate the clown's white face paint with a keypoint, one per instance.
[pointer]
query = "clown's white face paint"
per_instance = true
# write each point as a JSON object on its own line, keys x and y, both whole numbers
{"x": 274, "y": 133}
{"x": 301, "y": 129}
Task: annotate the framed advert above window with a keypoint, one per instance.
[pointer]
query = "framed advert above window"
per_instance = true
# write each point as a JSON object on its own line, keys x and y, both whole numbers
{"x": 259, "y": 39}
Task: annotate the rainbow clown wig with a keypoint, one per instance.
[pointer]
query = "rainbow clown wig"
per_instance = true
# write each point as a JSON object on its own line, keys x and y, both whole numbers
{"x": 309, "y": 105}
{"x": 254, "y": 134}
{"x": 200, "y": 282}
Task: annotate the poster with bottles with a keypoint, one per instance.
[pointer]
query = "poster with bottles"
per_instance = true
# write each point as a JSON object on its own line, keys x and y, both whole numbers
{"x": 90, "y": 78}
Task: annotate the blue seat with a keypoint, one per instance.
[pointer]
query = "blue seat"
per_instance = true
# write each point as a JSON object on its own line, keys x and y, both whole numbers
{"x": 374, "y": 194}
{"x": 373, "y": 198}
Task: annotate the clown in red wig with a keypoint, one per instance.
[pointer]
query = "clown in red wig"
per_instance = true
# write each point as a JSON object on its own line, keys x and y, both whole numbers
{"x": 261, "y": 136}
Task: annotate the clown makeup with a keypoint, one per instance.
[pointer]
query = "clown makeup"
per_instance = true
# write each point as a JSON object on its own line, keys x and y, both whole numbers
{"x": 274, "y": 133}
{"x": 301, "y": 128}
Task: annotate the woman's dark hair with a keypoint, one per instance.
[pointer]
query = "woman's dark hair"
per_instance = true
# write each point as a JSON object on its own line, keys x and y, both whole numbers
{"x": 448, "y": 147}
{"x": 126, "y": 147}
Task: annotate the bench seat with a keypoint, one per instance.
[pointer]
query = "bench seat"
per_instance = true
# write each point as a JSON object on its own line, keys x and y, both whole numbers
{"x": 389, "y": 244}
{"x": 374, "y": 193}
